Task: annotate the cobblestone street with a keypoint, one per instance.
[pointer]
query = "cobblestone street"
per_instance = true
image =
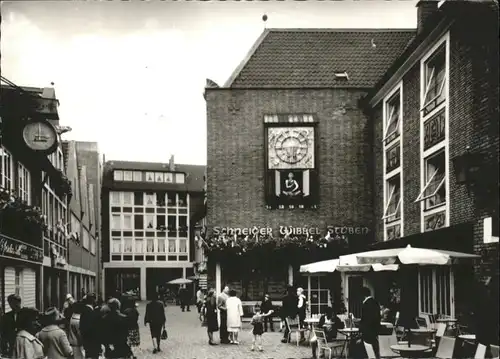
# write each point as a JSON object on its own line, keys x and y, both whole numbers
{"x": 187, "y": 339}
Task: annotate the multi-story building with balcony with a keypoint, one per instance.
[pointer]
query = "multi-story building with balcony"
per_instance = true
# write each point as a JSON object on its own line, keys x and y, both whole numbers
{"x": 148, "y": 211}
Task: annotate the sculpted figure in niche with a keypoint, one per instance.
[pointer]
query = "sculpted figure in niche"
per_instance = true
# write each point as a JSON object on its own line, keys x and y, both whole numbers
{"x": 292, "y": 188}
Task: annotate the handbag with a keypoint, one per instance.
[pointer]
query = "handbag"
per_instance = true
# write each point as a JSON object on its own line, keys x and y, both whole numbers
{"x": 164, "y": 334}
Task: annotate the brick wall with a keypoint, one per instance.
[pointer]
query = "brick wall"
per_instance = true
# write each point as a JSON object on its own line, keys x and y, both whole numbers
{"x": 236, "y": 158}
{"x": 473, "y": 122}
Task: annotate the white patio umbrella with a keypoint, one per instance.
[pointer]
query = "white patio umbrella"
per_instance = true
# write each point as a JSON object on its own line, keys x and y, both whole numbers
{"x": 180, "y": 281}
{"x": 327, "y": 266}
{"x": 411, "y": 255}
{"x": 376, "y": 267}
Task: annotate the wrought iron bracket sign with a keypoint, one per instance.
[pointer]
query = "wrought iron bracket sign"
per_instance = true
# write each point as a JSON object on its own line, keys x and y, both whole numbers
{"x": 14, "y": 249}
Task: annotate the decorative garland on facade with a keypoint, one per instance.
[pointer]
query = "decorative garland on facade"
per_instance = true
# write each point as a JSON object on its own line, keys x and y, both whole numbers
{"x": 240, "y": 244}
{"x": 63, "y": 185}
{"x": 10, "y": 203}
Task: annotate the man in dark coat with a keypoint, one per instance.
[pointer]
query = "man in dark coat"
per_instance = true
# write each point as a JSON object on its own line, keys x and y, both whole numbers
{"x": 90, "y": 321}
{"x": 155, "y": 316}
{"x": 266, "y": 306}
{"x": 370, "y": 320}
{"x": 221, "y": 305}
{"x": 184, "y": 298}
{"x": 288, "y": 310}
{"x": 8, "y": 330}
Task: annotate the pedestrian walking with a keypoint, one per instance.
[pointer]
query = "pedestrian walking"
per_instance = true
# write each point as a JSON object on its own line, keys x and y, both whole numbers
{"x": 370, "y": 320}
{"x": 266, "y": 307}
{"x": 258, "y": 327}
{"x": 211, "y": 315}
{"x": 234, "y": 314}
{"x": 199, "y": 300}
{"x": 288, "y": 311}
{"x": 133, "y": 337}
{"x": 116, "y": 325}
{"x": 184, "y": 297}
{"x": 54, "y": 339}
{"x": 26, "y": 345}
{"x": 73, "y": 331}
{"x": 155, "y": 317}
{"x": 9, "y": 326}
{"x": 89, "y": 328}
{"x": 221, "y": 305}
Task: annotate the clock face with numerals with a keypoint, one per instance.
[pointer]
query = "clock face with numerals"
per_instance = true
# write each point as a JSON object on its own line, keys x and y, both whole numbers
{"x": 290, "y": 147}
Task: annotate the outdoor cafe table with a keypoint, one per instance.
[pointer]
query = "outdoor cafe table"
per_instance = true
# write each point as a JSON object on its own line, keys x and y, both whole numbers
{"x": 451, "y": 323}
{"x": 412, "y": 351}
{"x": 349, "y": 333}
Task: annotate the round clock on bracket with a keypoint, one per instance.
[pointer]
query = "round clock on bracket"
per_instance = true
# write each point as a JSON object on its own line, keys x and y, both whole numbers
{"x": 40, "y": 136}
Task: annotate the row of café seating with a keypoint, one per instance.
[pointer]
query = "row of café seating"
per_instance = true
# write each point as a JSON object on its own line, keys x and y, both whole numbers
{"x": 431, "y": 333}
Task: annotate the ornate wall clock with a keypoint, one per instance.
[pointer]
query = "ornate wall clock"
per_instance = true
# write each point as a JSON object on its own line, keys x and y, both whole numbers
{"x": 40, "y": 136}
{"x": 290, "y": 147}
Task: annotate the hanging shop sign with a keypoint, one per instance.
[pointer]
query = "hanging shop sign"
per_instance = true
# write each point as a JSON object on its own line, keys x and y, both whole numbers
{"x": 12, "y": 248}
{"x": 41, "y": 136}
{"x": 284, "y": 230}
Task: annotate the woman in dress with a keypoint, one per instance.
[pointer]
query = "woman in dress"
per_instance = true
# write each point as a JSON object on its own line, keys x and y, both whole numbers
{"x": 133, "y": 338}
{"x": 234, "y": 314}
{"x": 211, "y": 315}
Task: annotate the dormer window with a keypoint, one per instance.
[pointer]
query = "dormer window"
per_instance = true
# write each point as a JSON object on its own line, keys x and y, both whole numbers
{"x": 179, "y": 178}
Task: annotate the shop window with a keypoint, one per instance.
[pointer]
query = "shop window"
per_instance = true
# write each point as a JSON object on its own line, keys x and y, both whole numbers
{"x": 319, "y": 298}
{"x": 436, "y": 291}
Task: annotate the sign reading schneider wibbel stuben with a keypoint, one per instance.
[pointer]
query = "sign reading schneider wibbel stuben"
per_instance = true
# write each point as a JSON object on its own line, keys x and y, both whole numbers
{"x": 293, "y": 231}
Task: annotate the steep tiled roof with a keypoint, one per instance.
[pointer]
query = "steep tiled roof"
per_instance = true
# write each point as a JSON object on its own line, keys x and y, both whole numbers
{"x": 293, "y": 58}
{"x": 195, "y": 174}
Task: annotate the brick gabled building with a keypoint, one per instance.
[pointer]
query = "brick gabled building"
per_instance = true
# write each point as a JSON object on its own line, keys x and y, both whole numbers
{"x": 436, "y": 146}
{"x": 289, "y": 150}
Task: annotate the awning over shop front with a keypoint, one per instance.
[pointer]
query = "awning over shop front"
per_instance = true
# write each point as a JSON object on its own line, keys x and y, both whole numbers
{"x": 327, "y": 266}
{"x": 411, "y": 255}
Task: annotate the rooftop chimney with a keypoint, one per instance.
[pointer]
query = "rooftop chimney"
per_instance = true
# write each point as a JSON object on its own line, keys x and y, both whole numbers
{"x": 425, "y": 9}
{"x": 171, "y": 164}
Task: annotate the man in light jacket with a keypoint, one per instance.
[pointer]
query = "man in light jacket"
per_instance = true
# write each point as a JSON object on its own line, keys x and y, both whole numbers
{"x": 54, "y": 339}
{"x": 74, "y": 335}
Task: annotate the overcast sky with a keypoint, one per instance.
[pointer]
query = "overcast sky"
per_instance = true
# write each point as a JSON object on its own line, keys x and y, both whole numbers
{"x": 131, "y": 75}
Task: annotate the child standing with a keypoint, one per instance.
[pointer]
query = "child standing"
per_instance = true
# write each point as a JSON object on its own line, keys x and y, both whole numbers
{"x": 258, "y": 327}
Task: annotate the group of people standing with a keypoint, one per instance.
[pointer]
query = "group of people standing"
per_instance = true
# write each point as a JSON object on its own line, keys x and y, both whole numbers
{"x": 83, "y": 329}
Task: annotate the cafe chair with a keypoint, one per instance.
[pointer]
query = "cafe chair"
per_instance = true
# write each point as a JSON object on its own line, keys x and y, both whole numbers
{"x": 294, "y": 327}
{"x": 480, "y": 352}
{"x": 495, "y": 353}
{"x": 369, "y": 351}
{"x": 322, "y": 343}
{"x": 340, "y": 342}
{"x": 446, "y": 348}
{"x": 384, "y": 343}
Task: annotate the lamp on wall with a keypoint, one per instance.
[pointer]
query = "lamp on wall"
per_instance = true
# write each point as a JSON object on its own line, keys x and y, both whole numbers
{"x": 467, "y": 166}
